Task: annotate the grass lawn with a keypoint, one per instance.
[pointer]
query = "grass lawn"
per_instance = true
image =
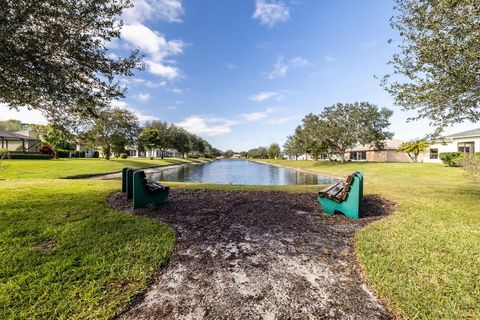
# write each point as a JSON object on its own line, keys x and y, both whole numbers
{"x": 71, "y": 168}
{"x": 65, "y": 254}
{"x": 425, "y": 259}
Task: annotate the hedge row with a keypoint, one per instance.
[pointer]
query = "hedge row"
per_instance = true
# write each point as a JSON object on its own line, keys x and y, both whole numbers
{"x": 30, "y": 156}
{"x": 452, "y": 159}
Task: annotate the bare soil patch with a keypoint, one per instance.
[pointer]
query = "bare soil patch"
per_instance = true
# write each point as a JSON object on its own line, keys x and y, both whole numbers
{"x": 257, "y": 255}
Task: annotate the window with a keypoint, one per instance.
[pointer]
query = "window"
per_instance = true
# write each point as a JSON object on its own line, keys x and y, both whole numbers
{"x": 433, "y": 153}
{"x": 358, "y": 155}
{"x": 466, "y": 147}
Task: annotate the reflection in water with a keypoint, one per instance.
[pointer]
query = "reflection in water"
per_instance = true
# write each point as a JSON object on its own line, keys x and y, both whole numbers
{"x": 238, "y": 172}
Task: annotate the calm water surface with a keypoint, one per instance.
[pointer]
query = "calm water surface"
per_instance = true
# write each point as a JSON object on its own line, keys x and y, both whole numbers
{"x": 238, "y": 172}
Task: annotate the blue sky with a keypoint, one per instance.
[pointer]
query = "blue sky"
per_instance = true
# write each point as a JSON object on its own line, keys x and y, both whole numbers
{"x": 242, "y": 73}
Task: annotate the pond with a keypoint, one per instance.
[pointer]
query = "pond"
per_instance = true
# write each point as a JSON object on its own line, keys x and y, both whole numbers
{"x": 240, "y": 172}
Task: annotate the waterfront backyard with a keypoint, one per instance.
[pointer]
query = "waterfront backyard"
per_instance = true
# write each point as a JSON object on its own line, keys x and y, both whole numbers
{"x": 67, "y": 253}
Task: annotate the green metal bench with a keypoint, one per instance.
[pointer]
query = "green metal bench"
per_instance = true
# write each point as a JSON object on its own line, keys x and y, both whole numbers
{"x": 137, "y": 187}
{"x": 146, "y": 191}
{"x": 344, "y": 197}
{"x": 127, "y": 182}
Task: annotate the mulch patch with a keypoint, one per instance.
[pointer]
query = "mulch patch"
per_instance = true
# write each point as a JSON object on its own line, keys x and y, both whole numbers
{"x": 257, "y": 255}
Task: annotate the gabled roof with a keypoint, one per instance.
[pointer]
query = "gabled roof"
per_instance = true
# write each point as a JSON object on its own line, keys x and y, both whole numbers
{"x": 468, "y": 133}
{"x": 7, "y": 135}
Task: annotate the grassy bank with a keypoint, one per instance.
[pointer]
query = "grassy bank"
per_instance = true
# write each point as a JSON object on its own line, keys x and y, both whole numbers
{"x": 67, "y": 168}
{"x": 65, "y": 254}
{"x": 425, "y": 259}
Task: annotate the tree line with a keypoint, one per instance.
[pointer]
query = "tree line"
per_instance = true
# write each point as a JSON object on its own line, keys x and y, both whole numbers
{"x": 117, "y": 129}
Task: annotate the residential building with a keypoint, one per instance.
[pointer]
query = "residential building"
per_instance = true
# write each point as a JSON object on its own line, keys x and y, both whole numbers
{"x": 389, "y": 153}
{"x": 466, "y": 142}
{"x": 22, "y": 141}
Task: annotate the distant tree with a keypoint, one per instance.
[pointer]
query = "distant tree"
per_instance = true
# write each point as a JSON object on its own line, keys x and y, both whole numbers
{"x": 228, "y": 154}
{"x": 413, "y": 148}
{"x": 436, "y": 72}
{"x": 117, "y": 127}
{"x": 161, "y": 136}
{"x": 55, "y": 56}
{"x": 56, "y": 137}
{"x": 149, "y": 139}
{"x": 197, "y": 144}
{"x": 11, "y": 125}
{"x": 180, "y": 140}
{"x": 314, "y": 141}
{"x": 342, "y": 126}
{"x": 274, "y": 151}
{"x": 258, "y": 153}
{"x": 291, "y": 147}
{"x": 243, "y": 154}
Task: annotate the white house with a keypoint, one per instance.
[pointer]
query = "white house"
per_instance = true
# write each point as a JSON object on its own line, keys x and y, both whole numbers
{"x": 156, "y": 153}
{"x": 466, "y": 141}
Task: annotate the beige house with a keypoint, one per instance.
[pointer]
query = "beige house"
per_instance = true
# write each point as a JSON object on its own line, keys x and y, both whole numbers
{"x": 387, "y": 154}
{"x": 24, "y": 141}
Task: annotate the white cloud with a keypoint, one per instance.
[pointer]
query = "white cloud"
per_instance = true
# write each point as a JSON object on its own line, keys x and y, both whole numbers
{"x": 271, "y": 12}
{"x": 162, "y": 70}
{"x": 281, "y": 68}
{"x": 179, "y": 91}
{"x": 369, "y": 44}
{"x": 24, "y": 115}
{"x": 256, "y": 116}
{"x": 157, "y": 46}
{"x": 136, "y": 34}
{"x": 330, "y": 59}
{"x": 298, "y": 62}
{"x": 209, "y": 126}
{"x": 231, "y": 66}
{"x": 142, "y": 117}
{"x": 166, "y": 10}
{"x": 264, "y": 95}
{"x": 206, "y": 126}
{"x": 144, "y": 97}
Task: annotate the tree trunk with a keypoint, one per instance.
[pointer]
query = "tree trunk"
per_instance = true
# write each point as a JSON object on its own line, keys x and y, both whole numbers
{"x": 342, "y": 157}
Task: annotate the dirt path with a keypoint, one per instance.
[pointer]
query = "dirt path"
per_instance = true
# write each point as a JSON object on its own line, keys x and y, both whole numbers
{"x": 257, "y": 255}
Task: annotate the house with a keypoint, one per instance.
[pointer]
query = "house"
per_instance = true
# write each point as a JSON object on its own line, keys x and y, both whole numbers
{"x": 237, "y": 156}
{"x": 387, "y": 154}
{"x": 23, "y": 141}
{"x": 466, "y": 142}
{"x": 156, "y": 153}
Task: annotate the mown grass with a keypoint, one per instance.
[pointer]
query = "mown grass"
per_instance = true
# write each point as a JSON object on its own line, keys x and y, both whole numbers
{"x": 425, "y": 259}
{"x": 71, "y": 168}
{"x": 65, "y": 254}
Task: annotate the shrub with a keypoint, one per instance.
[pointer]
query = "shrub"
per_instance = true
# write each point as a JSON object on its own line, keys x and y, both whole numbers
{"x": 450, "y": 158}
{"x": 123, "y": 155}
{"x": 47, "y": 149}
{"x": 29, "y": 155}
{"x": 76, "y": 154}
{"x": 471, "y": 165}
{"x": 3, "y": 153}
{"x": 82, "y": 154}
{"x": 96, "y": 154}
{"x": 61, "y": 153}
